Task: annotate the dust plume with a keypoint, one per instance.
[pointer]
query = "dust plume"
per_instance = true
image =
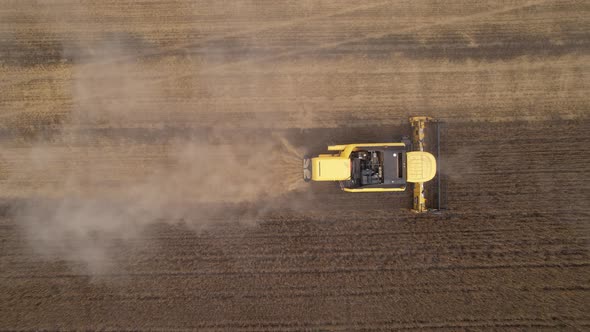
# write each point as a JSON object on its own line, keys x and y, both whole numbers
{"x": 195, "y": 185}
{"x": 113, "y": 167}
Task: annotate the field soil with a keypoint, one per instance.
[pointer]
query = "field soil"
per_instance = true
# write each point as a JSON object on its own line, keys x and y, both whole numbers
{"x": 150, "y": 165}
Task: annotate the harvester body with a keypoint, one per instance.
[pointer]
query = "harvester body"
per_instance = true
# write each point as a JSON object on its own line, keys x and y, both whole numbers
{"x": 378, "y": 167}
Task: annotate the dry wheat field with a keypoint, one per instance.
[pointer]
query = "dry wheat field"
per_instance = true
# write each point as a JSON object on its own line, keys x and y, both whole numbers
{"x": 150, "y": 165}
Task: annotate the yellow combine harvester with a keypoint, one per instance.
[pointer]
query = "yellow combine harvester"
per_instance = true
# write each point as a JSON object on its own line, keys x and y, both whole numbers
{"x": 379, "y": 167}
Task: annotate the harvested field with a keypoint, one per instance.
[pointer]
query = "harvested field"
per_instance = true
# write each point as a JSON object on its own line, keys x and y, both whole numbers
{"x": 150, "y": 165}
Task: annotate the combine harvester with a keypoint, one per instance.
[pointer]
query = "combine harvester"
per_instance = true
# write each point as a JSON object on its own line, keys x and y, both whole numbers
{"x": 380, "y": 167}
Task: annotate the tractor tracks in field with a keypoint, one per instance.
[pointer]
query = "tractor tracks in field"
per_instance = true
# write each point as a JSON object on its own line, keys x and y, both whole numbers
{"x": 315, "y": 48}
{"x": 511, "y": 252}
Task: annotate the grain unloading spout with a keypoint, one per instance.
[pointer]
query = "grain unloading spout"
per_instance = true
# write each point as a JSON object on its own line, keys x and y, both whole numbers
{"x": 426, "y": 164}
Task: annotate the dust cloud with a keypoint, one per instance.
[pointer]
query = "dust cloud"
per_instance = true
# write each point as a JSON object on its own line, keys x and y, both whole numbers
{"x": 100, "y": 181}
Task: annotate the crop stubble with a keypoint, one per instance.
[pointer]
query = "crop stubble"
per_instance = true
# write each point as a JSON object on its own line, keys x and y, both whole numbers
{"x": 112, "y": 91}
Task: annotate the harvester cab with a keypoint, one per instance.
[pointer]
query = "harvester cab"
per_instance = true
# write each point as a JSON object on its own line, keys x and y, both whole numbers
{"x": 385, "y": 167}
